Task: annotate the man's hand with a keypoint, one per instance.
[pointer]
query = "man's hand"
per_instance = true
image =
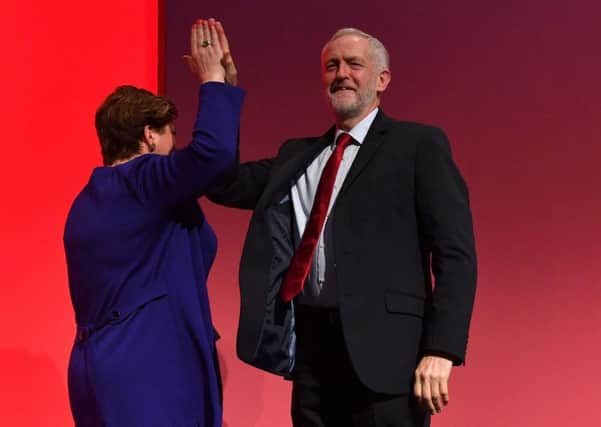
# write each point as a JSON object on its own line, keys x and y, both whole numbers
{"x": 431, "y": 382}
{"x": 206, "y": 55}
{"x": 231, "y": 74}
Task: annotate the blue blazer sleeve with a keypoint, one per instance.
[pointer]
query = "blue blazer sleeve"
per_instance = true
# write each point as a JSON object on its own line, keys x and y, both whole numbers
{"x": 188, "y": 173}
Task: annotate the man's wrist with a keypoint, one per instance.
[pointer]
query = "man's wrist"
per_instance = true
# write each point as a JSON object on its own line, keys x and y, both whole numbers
{"x": 437, "y": 353}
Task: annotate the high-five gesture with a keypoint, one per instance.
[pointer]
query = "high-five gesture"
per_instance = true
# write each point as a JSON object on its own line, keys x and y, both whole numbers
{"x": 206, "y": 54}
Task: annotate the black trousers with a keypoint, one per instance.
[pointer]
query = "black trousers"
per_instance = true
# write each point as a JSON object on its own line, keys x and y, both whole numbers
{"x": 326, "y": 392}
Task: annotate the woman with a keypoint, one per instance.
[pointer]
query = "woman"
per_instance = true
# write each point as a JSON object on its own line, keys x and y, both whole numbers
{"x": 139, "y": 250}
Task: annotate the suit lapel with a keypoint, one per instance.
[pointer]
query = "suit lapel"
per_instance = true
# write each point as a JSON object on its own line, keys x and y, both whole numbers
{"x": 296, "y": 163}
{"x": 373, "y": 141}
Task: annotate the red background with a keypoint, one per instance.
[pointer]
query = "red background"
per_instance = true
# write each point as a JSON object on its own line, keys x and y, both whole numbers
{"x": 515, "y": 85}
{"x": 59, "y": 61}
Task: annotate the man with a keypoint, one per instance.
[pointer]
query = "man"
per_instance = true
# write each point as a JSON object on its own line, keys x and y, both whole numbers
{"x": 349, "y": 309}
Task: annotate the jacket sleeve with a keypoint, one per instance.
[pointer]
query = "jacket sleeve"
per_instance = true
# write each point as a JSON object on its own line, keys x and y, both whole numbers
{"x": 244, "y": 186}
{"x": 188, "y": 173}
{"x": 446, "y": 229}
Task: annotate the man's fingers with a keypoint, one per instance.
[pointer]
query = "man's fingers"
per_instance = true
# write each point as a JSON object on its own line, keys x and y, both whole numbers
{"x": 427, "y": 395}
{"x": 215, "y": 38}
{"x": 417, "y": 390}
{"x": 433, "y": 374}
{"x": 444, "y": 391}
{"x": 231, "y": 74}
{"x": 435, "y": 396}
{"x": 225, "y": 46}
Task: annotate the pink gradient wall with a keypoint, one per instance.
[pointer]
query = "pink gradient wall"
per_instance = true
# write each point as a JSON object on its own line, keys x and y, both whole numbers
{"x": 59, "y": 60}
{"x": 517, "y": 87}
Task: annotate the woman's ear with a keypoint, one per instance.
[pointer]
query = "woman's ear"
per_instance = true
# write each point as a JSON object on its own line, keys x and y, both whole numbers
{"x": 149, "y": 139}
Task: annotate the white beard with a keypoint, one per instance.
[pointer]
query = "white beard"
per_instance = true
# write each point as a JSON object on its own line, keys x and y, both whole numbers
{"x": 348, "y": 108}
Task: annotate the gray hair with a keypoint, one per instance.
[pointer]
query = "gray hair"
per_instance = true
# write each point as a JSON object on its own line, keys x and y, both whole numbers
{"x": 379, "y": 51}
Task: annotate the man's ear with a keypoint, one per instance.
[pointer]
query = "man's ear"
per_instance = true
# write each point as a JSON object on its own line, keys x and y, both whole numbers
{"x": 383, "y": 80}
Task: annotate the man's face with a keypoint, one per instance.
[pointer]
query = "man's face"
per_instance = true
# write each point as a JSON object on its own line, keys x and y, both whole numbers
{"x": 351, "y": 77}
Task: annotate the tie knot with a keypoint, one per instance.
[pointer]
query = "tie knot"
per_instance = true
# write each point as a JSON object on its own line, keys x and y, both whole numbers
{"x": 344, "y": 140}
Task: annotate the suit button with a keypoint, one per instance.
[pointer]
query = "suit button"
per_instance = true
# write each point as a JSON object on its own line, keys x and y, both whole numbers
{"x": 116, "y": 314}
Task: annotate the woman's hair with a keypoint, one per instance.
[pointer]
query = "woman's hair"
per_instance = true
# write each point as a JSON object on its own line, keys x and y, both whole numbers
{"x": 121, "y": 118}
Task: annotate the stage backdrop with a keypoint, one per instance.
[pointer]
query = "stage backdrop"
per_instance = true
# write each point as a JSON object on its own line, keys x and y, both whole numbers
{"x": 516, "y": 85}
{"x": 59, "y": 60}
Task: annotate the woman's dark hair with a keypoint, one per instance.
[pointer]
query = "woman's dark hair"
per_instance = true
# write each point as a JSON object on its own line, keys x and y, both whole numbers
{"x": 121, "y": 118}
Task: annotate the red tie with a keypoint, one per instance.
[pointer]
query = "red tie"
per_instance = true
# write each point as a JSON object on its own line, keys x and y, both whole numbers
{"x": 301, "y": 261}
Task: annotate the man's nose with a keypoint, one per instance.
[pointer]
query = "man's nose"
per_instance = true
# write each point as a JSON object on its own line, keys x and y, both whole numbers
{"x": 343, "y": 71}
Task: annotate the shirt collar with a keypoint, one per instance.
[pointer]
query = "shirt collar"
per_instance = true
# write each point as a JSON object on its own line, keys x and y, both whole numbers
{"x": 359, "y": 132}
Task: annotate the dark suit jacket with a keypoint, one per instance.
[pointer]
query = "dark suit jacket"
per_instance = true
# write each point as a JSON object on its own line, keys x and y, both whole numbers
{"x": 402, "y": 214}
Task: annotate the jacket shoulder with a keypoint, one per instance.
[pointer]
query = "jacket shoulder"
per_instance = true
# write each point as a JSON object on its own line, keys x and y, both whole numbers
{"x": 294, "y": 145}
{"x": 412, "y": 128}
{"x": 416, "y": 134}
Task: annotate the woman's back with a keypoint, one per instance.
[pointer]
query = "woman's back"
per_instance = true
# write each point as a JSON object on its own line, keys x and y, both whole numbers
{"x": 138, "y": 252}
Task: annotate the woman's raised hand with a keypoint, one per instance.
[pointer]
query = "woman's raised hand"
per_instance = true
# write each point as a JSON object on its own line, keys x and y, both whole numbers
{"x": 206, "y": 53}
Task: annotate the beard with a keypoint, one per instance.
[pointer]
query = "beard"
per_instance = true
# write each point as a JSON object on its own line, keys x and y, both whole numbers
{"x": 348, "y": 104}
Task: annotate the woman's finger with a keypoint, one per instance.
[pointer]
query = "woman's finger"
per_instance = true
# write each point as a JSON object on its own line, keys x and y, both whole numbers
{"x": 204, "y": 34}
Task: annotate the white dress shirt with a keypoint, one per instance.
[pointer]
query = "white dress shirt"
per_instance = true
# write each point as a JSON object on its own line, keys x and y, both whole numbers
{"x": 303, "y": 193}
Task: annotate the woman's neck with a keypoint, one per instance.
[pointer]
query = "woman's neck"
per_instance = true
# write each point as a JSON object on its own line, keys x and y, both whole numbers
{"x": 121, "y": 161}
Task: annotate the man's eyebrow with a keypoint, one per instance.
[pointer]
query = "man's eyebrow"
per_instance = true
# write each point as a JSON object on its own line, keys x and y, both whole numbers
{"x": 353, "y": 58}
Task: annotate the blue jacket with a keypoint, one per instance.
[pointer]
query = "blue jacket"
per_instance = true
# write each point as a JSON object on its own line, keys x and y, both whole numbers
{"x": 138, "y": 251}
